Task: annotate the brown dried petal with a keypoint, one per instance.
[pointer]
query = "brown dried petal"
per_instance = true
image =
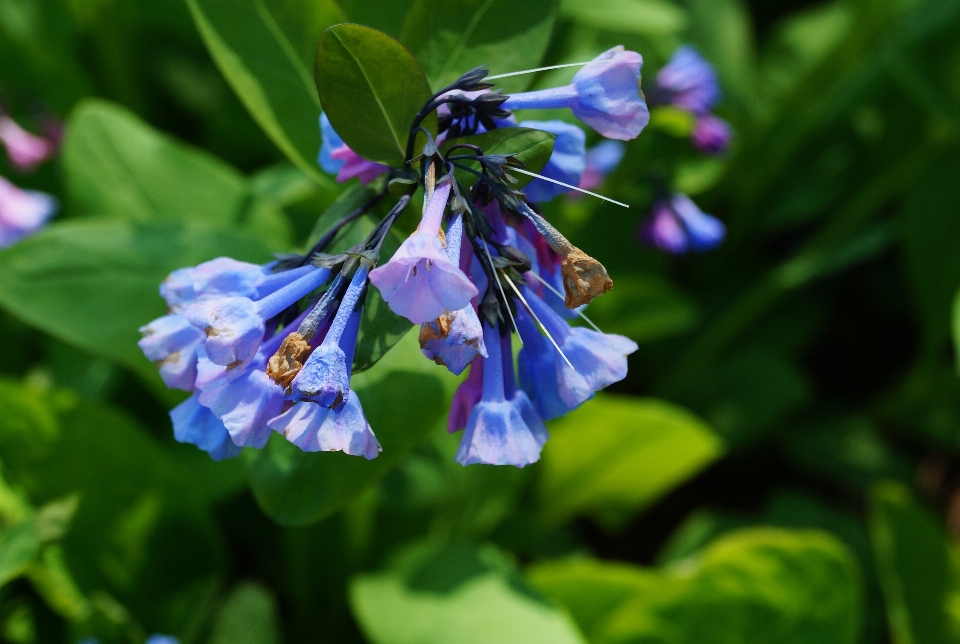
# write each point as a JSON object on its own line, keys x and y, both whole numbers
{"x": 584, "y": 278}
{"x": 286, "y": 363}
{"x": 439, "y": 329}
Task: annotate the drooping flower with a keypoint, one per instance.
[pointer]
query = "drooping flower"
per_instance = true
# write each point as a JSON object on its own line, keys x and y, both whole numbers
{"x": 677, "y": 225}
{"x": 712, "y": 134}
{"x": 604, "y": 94}
{"x": 688, "y": 81}
{"x": 602, "y": 159}
{"x": 566, "y": 164}
{"x": 195, "y": 424}
{"x": 22, "y": 212}
{"x": 235, "y": 326}
{"x": 315, "y": 428}
{"x": 26, "y": 150}
{"x": 245, "y": 405}
{"x": 583, "y": 361}
{"x": 456, "y": 337}
{"x": 420, "y": 282}
{"x": 497, "y": 433}
{"x": 172, "y": 344}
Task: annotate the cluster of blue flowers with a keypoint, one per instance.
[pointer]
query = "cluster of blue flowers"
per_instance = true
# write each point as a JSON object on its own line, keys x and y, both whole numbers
{"x": 688, "y": 82}
{"x": 270, "y": 348}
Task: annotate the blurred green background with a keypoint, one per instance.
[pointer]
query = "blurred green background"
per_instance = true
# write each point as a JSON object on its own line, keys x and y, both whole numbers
{"x": 780, "y": 465}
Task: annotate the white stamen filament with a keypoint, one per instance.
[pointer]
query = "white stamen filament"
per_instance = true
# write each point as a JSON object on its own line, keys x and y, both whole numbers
{"x": 560, "y": 295}
{"x": 502, "y": 292}
{"x": 545, "y": 332}
{"x": 567, "y": 185}
{"x": 537, "y": 69}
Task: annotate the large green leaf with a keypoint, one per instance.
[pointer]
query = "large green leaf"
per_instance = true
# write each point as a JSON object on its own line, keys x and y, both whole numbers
{"x": 362, "y": 71}
{"x": 118, "y": 166}
{"x": 248, "y": 616}
{"x": 919, "y": 568}
{"x": 449, "y": 38}
{"x": 455, "y": 595}
{"x": 532, "y": 147}
{"x": 644, "y": 17}
{"x": 616, "y": 454}
{"x": 303, "y": 21}
{"x": 94, "y": 283}
{"x": 761, "y": 585}
{"x": 266, "y": 73}
{"x": 19, "y": 545}
{"x": 403, "y": 398}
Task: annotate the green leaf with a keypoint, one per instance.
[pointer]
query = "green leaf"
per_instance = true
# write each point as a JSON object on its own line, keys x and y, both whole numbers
{"x": 761, "y": 585}
{"x": 92, "y": 284}
{"x": 18, "y": 547}
{"x": 267, "y": 74}
{"x": 364, "y": 71}
{"x": 931, "y": 231}
{"x": 119, "y": 167}
{"x": 532, "y": 147}
{"x": 918, "y": 567}
{"x": 386, "y": 16}
{"x": 616, "y": 454}
{"x": 642, "y": 17}
{"x": 303, "y": 21}
{"x": 450, "y": 38}
{"x": 403, "y": 398}
{"x": 455, "y": 595}
{"x": 249, "y": 616}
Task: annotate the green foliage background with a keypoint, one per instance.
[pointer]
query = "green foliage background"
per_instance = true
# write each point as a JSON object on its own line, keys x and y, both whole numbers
{"x": 782, "y": 464}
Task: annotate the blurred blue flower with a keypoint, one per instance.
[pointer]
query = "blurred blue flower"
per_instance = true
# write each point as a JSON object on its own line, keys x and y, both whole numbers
{"x": 677, "y": 225}
{"x": 712, "y": 134}
{"x": 688, "y": 81}
{"x": 22, "y": 212}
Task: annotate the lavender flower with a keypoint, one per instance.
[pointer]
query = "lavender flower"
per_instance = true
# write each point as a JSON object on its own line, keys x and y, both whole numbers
{"x": 688, "y": 81}
{"x": 605, "y": 95}
{"x": 337, "y": 158}
{"x": 712, "y": 134}
{"x": 420, "y": 282}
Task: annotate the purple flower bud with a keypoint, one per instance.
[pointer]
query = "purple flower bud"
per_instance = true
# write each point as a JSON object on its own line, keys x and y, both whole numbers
{"x": 712, "y": 134}
{"x": 195, "y": 424}
{"x": 678, "y": 225}
{"x": 314, "y": 428}
{"x": 688, "y": 81}
{"x": 566, "y": 164}
{"x": 26, "y": 150}
{"x": 605, "y": 95}
{"x": 420, "y": 282}
{"x": 22, "y": 212}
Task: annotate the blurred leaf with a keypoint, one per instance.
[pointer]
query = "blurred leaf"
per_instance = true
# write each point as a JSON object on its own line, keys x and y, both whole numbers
{"x": 592, "y": 589}
{"x": 745, "y": 396}
{"x": 18, "y": 546}
{"x": 248, "y": 616}
{"x": 53, "y": 519}
{"x": 303, "y": 21}
{"x": 723, "y": 32}
{"x": 119, "y": 167}
{"x": 52, "y": 580}
{"x": 642, "y": 17}
{"x": 450, "y": 38}
{"x": 363, "y": 71}
{"x": 532, "y": 147}
{"x": 282, "y": 184}
{"x": 616, "y": 454}
{"x": 388, "y": 17}
{"x": 455, "y": 595}
{"x": 643, "y": 308}
{"x": 673, "y": 121}
{"x": 402, "y": 402}
{"x": 931, "y": 235}
{"x": 266, "y": 73}
{"x": 760, "y": 585}
{"x": 94, "y": 283}
{"x": 919, "y": 568}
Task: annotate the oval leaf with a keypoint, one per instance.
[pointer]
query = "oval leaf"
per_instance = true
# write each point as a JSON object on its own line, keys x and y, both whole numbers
{"x": 371, "y": 89}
